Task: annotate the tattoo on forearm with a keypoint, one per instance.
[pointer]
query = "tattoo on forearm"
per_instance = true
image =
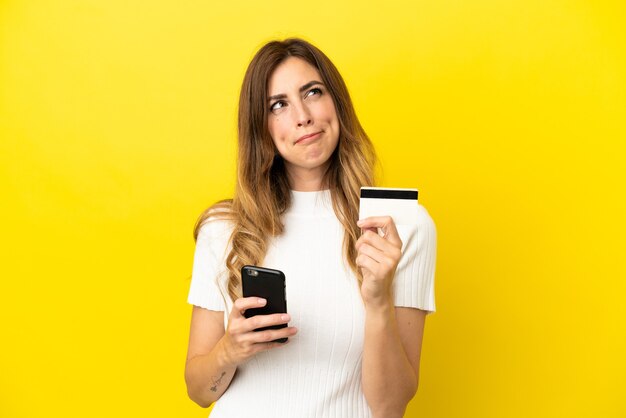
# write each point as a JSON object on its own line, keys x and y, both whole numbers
{"x": 217, "y": 381}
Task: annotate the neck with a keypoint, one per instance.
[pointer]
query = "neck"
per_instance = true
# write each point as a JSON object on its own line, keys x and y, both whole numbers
{"x": 306, "y": 180}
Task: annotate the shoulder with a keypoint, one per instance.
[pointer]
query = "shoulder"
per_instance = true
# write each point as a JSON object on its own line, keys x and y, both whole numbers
{"x": 415, "y": 274}
{"x": 426, "y": 230}
{"x": 215, "y": 224}
{"x": 215, "y": 230}
{"x": 420, "y": 235}
{"x": 424, "y": 220}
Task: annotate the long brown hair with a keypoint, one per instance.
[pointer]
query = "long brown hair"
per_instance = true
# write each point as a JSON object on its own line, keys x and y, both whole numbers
{"x": 263, "y": 192}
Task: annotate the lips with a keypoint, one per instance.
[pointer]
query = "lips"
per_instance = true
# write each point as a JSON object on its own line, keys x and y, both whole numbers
{"x": 302, "y": 138}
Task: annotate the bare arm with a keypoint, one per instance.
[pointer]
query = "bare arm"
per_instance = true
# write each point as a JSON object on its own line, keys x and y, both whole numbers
{"x": 391, "y": 354}
{"x": 207, "y": 371}
{"x": 393, "y": 336}
{"x": 214, "y": 353}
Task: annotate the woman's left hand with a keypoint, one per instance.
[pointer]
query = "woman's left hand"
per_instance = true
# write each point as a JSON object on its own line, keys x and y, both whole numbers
{"x": 378, "y": 258}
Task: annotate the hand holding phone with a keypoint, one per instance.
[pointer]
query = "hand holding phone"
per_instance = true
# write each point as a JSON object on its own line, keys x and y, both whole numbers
{"x": 268, "y": 284}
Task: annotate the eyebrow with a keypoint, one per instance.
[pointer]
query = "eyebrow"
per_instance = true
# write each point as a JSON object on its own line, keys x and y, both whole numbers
{"x": 306, "y": 86}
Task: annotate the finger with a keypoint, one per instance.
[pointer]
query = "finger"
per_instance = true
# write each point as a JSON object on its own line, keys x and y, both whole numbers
{"x": 241, "y": 305}
{"x": 378, "y": 263}
{"x": 364, "y": 230}
{"x": 386, "y": 223}
{"x": 372, "y": 252}
{"x": 367, "y": 263}
{"x": 380, "y": 243}
{"x": 271, "y": 335}
{"x": 244, "y": 329}
{"x": 261, "y": 321}
{"x": 372, "y": 238}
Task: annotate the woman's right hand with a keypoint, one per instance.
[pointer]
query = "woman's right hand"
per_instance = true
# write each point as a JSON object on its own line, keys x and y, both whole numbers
{"x": 241, "y": 341}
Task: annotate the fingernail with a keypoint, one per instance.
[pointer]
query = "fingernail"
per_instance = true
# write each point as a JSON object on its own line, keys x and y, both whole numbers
{"x": 285, "y": 318}
{"x": 262, "y": 301}
{"x": 359, "y": 222}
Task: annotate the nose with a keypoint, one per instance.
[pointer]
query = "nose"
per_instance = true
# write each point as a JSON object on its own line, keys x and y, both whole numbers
{"x": 303, "y": 116}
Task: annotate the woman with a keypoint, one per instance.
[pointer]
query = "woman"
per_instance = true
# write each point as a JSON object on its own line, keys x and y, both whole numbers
{"x": 357, "y": 301}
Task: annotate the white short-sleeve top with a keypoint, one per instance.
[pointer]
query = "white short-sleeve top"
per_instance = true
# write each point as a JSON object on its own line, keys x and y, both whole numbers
{"x": 318, "y": 373}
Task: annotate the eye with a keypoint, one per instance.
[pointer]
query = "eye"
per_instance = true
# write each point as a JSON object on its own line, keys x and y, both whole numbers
{"x": 277, "y": 105}
{"x": 317, "y": 90}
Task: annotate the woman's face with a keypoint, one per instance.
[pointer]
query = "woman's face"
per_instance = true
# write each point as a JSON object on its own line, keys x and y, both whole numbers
{"x": 302, "y": 120}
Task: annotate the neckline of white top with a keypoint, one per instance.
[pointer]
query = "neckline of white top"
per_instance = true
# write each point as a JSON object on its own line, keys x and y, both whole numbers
{"x": 316, "y": 203}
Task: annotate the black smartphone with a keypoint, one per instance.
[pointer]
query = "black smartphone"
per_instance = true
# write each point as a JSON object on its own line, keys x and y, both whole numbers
{"x": 268, "y": 284}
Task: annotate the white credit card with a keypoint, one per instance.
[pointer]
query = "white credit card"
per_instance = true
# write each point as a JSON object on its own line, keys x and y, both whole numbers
{"x": 400, "y": 204}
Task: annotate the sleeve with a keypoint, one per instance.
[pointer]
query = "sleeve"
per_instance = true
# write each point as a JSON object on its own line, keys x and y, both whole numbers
{"x": 414, "y": 282}
{"x": 208, "y": 269}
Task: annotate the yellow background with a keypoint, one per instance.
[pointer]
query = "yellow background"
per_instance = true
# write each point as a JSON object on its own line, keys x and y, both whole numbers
{"x": 117, "y": 128}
